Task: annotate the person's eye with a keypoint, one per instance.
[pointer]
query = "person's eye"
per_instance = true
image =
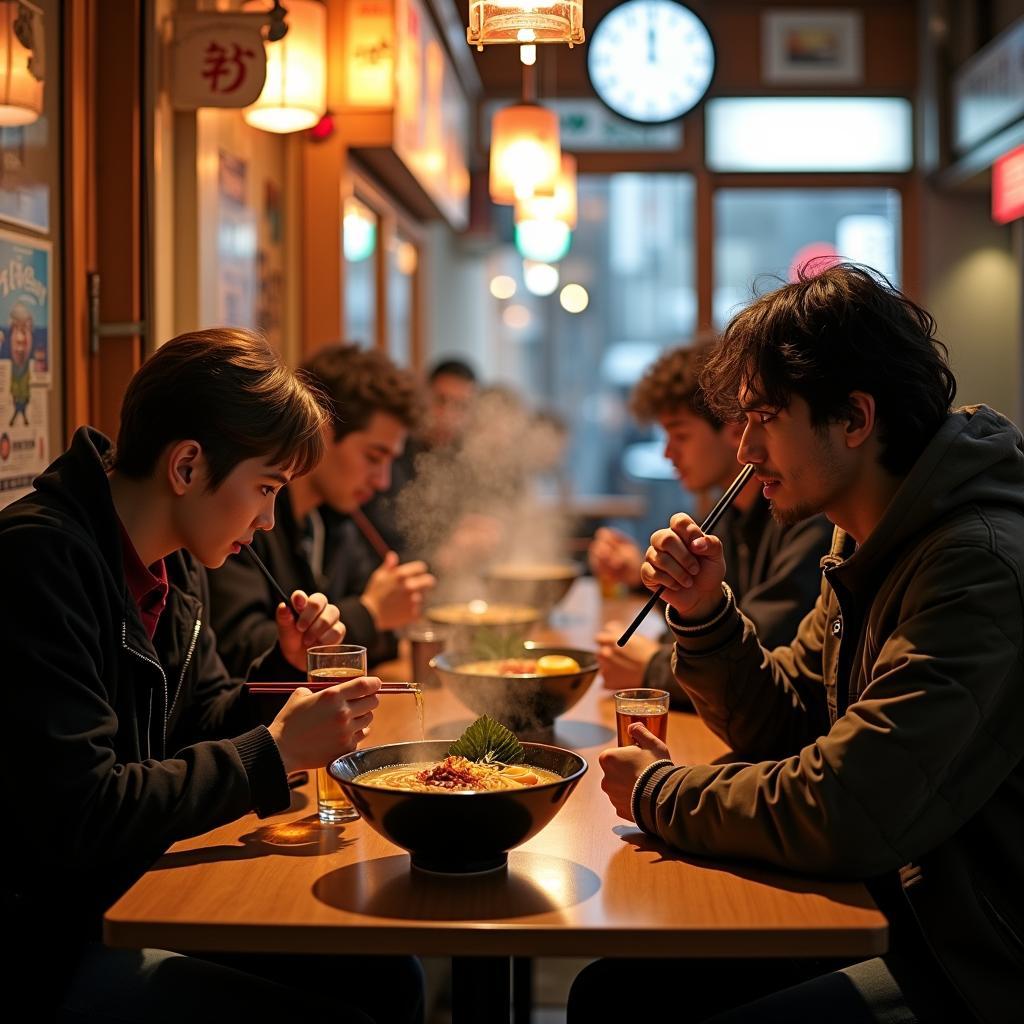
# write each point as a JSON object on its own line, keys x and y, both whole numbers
{"x": 267, "y": 490}
{"x": 764, "y": 418}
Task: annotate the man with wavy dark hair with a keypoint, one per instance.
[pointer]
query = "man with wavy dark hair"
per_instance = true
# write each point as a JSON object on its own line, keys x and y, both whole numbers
{"x": 117, "y": 701}
{"x": 886, "y": 742}
{"x": 373, "y": 404}
{"x": 773, "y": 567}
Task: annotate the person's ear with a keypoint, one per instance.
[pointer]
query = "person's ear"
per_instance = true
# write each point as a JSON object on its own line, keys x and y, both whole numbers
{"x": 860, "y": 424}
{"x": 183, "y": 465}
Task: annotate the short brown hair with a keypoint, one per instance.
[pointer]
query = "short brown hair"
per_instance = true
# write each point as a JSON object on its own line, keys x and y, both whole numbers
{"x": 358, "y": 382}
{"x": 828, "y": 334}
{"x": 226, "y": 388}
{"x": 672, "y": 383}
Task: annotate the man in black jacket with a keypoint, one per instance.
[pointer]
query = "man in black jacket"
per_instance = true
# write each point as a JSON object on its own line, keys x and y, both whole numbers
{"x": 316, "y": 542}
{"x": 774, "y": 568}
{"x": 124, "y": 732}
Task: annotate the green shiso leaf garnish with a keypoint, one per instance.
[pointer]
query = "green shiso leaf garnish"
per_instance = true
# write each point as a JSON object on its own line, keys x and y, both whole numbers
{"x": 488, "y": 741}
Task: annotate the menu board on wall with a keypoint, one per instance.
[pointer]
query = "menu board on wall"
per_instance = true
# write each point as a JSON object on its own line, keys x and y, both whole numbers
{"x": 431, "y": 115}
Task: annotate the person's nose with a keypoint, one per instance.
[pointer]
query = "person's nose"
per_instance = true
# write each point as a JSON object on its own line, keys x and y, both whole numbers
{"x": 265, "y": 520}
{"x": 751, "y": 449}
{"x": 383, "y": 477}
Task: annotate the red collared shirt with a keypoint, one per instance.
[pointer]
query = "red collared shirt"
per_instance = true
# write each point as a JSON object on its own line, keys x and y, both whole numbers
{"x": 148, "y": 587}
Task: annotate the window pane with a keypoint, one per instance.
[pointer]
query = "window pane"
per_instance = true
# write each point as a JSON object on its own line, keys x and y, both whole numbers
{"x": 359, "y": 239}
{"x": 403, "y": 258}
{"x": 633, "y": 252}
{"x": 814, "y": 133}
{"x": 769, "y": 233}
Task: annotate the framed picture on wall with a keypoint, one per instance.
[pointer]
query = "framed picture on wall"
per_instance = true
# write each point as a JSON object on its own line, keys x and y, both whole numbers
{"x": 811, "y": 47}
{"x": 25, "y": 169}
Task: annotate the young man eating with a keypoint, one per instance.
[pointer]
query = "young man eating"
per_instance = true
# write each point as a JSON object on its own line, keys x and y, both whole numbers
{"x": 773, "y": 568}
{"x": 372, "y": 405}
{"x": 125, "y": 732}
{"x": 885, "y": 742}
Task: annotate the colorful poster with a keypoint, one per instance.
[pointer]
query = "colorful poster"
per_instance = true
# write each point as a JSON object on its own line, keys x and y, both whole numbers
{"x": 25, "y": 365}
{"x": 24, "y": 175}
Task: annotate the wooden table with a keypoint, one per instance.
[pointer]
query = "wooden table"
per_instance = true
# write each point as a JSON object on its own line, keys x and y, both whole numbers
{"x": 589, "y": 884}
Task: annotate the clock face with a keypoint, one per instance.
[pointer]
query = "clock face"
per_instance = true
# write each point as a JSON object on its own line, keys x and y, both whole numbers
{"x": 651, "y": 60}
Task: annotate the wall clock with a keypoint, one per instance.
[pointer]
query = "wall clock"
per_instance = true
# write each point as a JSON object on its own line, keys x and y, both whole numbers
{"x": 650, "y": 60}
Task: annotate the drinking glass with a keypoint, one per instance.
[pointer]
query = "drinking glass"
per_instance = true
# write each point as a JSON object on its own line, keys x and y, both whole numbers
{"x": 330, "y": 664}
{"x": 649, "y": 707}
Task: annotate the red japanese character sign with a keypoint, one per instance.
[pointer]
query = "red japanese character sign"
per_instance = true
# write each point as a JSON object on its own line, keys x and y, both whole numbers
{"x": 218, "y": 61}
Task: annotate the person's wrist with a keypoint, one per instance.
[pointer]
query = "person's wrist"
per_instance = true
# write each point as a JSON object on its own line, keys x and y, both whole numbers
{"x": 702, "y": 612}
{"x": 276, "y": 731}
{"x": 369, "y": 601}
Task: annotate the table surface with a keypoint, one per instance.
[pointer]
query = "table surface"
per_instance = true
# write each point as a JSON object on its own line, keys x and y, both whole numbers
{"x": 589, "y": 884}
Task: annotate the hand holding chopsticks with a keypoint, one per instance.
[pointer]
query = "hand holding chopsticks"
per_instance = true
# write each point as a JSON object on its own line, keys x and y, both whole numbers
{"x": 709, "y": 524}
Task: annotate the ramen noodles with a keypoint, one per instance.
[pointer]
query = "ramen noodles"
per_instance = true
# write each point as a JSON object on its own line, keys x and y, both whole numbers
{"x": 456, "y": 775}
{"x": 547, "y": 665}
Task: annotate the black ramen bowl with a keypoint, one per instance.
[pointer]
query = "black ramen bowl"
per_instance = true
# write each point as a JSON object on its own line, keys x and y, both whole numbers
{"x": 456, "y": 833}
{"x": 521, "y": 702}
{"x": 542, "y": 586}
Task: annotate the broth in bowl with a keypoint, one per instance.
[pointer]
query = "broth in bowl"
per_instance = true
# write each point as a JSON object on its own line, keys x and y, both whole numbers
{"x": 456, "y": 775}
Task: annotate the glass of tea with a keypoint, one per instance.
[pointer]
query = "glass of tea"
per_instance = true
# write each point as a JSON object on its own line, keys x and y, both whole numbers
{"x": 325, "y": 666}
{"x": 648, "y": 707}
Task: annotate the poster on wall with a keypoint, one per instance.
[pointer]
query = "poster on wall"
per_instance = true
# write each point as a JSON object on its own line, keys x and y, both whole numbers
{"x": 25, "y": 363}
{"x": 24, "y": 176}
{"x": 236, "y": 243}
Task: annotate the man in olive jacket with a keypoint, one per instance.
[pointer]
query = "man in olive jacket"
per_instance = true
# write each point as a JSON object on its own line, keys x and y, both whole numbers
{"x": 885, "y": 742}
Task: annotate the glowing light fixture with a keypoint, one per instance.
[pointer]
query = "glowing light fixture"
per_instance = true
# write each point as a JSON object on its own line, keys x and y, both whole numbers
{"x": 294, "y": 96}
{"x": 21, "y": 79}
{"x": 545, "y": 241}
{"x": 526, "y": 154}
{"x": 406, "y": 258}
{"x": 574, "y": 298}
{"x": 503, "y": 286}
{"x": 561, "y": 205}
{"x": 359, "y": 231}
{"x": 526, "y": 22}
{"x": 540, "y": 278}
{"x": 517, "y": 317}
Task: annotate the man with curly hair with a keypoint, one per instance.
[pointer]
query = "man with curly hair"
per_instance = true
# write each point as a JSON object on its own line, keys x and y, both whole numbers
{"x": 885, "y": 741}
{"x": 774, "y": 568}
{"x": 374, "y": 404}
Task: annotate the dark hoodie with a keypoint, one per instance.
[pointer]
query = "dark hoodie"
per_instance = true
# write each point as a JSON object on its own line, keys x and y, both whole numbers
{"x": 244, "y": 603}
{"x": 885, "y": 743}
{"x": 113, "y": 745}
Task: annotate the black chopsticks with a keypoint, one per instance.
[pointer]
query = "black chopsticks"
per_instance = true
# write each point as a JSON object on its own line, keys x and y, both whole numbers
{"x": 270, "y": 579}
{"x": 709, "y": 524}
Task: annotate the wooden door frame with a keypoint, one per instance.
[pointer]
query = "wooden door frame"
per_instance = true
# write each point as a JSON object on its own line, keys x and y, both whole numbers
{"x": 392, "y": 219}
{"x": 103, "y": 71}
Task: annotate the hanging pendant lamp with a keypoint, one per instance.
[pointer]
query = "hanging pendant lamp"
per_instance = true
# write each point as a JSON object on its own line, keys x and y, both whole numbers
{"x": 294, "y": 96}
{"x": 526, "y": 154}
{"x": 21, "y": 81}
{"x": 560, "y": 206}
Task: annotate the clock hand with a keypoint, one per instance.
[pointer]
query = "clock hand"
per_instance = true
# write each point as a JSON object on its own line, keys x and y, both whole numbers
{"x": 652, "y": 57}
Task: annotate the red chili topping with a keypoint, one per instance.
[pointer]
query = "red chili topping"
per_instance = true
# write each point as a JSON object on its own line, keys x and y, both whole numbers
{"x": 449, "y": 774}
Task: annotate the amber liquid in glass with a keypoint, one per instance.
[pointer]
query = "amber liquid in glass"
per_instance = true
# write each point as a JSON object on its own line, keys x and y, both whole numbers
{"x": 651, "y": 716}
{"x": 331, "y": 800}
{"x": 324, "y": 677}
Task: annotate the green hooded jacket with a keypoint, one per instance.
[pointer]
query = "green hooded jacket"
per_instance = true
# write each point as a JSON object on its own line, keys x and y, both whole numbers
{"x": 885, "y": 743}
